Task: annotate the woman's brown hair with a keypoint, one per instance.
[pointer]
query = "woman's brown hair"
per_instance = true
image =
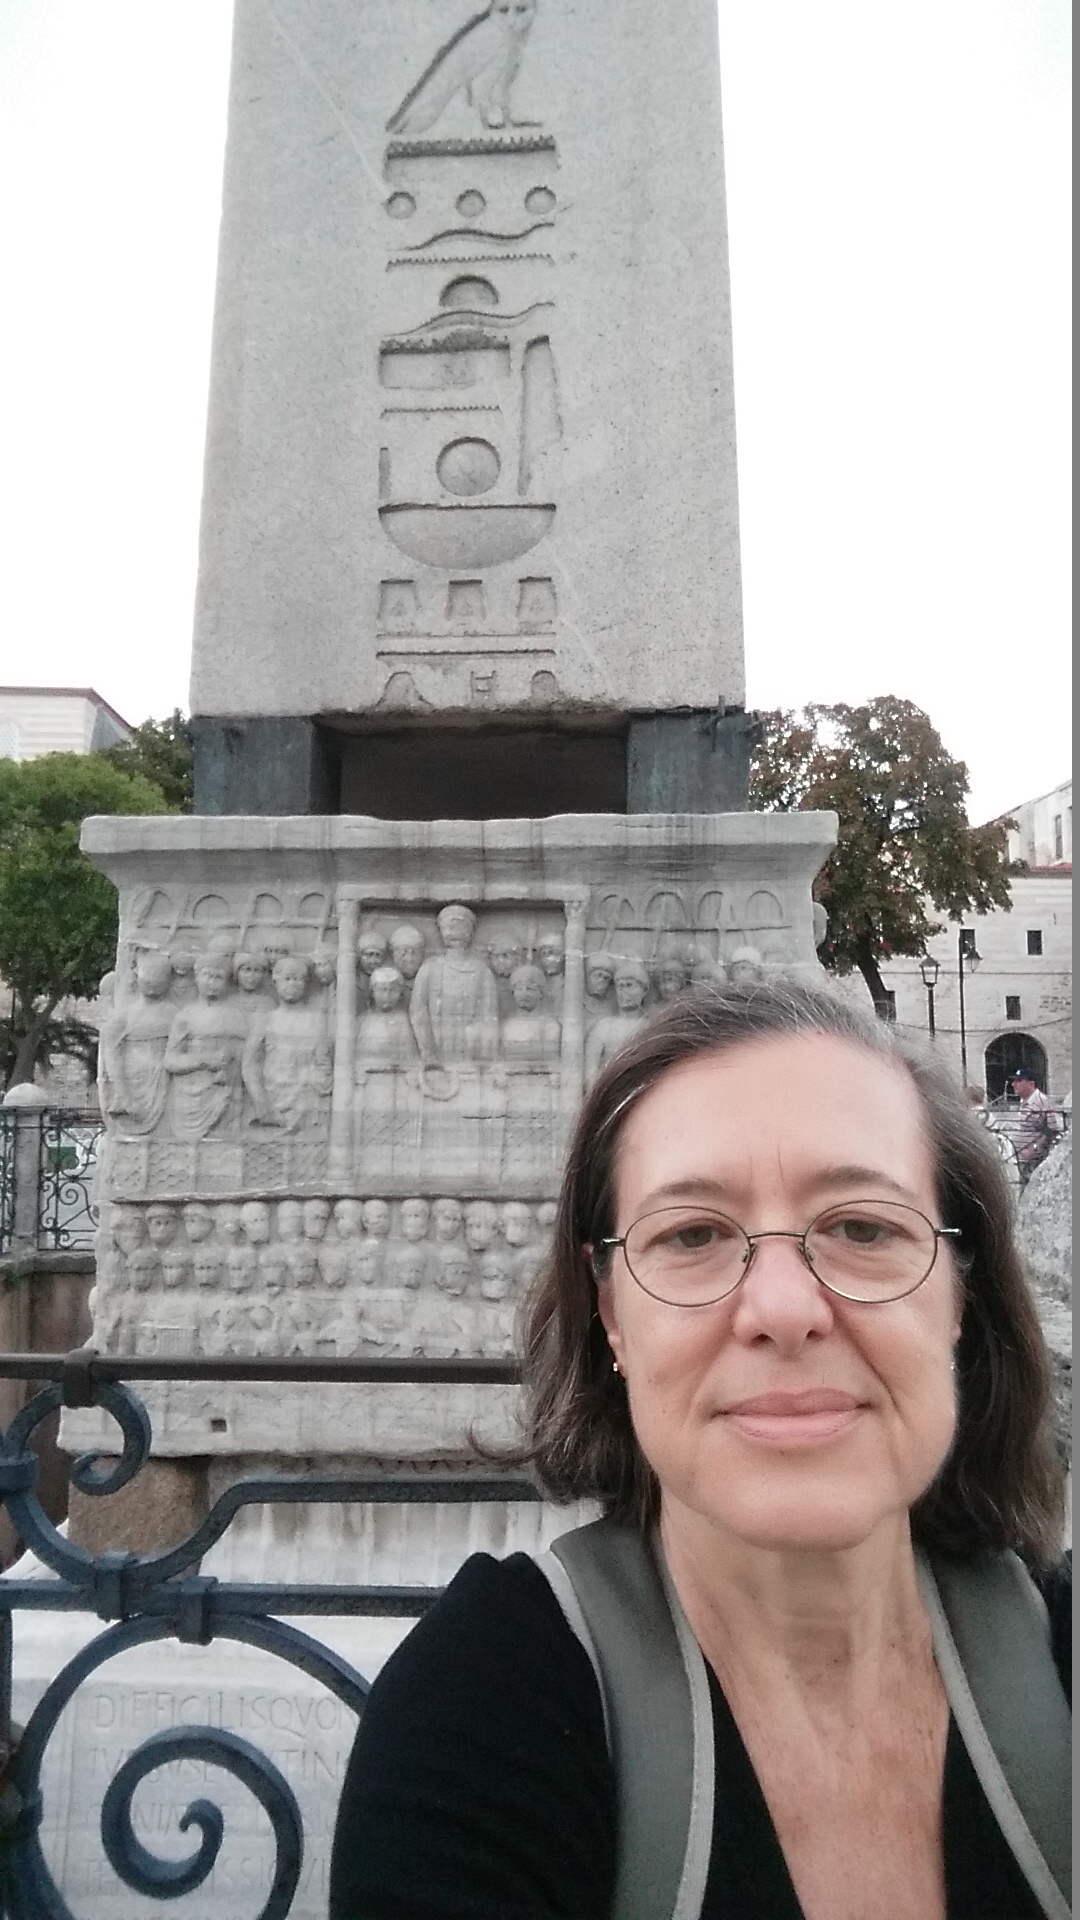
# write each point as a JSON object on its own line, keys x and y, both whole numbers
{"x": 1002, "y": 1484}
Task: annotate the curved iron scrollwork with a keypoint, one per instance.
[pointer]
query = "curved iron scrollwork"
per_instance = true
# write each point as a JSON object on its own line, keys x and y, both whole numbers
{"x": 9, "y": 1121}
{"x": 158, "y": 1597}
{"x": 67, "y": 1215}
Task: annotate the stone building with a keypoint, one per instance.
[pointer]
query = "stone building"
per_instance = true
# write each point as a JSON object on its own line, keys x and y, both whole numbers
{"x": 1018, "y": 994}
{"x": 38, "y": 720}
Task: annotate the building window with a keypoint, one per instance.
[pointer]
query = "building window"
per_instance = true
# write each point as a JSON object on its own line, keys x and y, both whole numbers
{"x": 967, "y": 940}
{"x": 1012, "y": 1007}
{"x": 1034, "y": 939}
{"x": 1059, "y": 838}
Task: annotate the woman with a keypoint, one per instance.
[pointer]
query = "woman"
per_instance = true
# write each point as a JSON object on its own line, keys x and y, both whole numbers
{"x": 784, "y": 1325}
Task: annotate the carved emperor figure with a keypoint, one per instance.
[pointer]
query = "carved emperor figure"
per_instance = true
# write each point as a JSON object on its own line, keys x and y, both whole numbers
{"x": 483, "y": 57}
{"x": 454, "y": 1007}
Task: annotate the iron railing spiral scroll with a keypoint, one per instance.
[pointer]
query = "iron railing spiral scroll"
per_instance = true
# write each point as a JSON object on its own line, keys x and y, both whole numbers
{"x": 161, "y": 1596}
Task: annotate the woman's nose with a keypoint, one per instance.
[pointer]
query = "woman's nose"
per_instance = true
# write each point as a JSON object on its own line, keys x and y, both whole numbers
{"x": 780, "y": 1298}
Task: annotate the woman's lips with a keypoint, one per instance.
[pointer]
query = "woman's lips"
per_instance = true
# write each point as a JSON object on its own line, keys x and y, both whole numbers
{"x": 796, "y": 1419}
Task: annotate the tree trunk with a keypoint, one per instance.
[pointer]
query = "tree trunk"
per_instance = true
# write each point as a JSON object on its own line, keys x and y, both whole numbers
{"x": 26, "y": 1052}
{"x": 866, "y": 961}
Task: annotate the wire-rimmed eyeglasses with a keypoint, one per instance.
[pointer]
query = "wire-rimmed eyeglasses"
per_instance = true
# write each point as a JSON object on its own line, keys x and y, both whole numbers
{"x": 872, "y": 1251}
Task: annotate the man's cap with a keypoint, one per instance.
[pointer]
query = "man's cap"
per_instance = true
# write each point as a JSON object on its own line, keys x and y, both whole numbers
{"x": 1023, "y": 1073}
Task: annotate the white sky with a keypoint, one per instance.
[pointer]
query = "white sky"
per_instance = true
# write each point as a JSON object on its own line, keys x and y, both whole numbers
{"x": 898, "y": 205}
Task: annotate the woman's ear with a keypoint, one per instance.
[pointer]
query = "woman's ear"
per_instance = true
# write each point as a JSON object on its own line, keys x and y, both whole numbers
{"x": 609, "y": 1320}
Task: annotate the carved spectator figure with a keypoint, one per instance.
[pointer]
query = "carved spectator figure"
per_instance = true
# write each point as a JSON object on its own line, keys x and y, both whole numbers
{"x": 517, "y": 1226}
{"x": 672, "y": 976}
{"x": 551, "y": 959}
{"x": 481, "y": 1225}
{"x": 441, "y": 1322}
{"x": 530, "y": 1035}
{"x": 324, "y": 970}
{"x": 184, "y": 990}
{"x": 745, "y": 967}
{"x": 705, "y": 971}
{"x": 494, "y": 1320}
{"x": 504, "y": 954}
{"x": 251, "y": 972}
{"x": 337, "y": 1257}
{"x": 446, "y": 1220}
{"x": 611, "y": 1033}
{"x": 407, "y": 952}
{"x": 204, "y": 1052}
{"x": 599, "y": 983}
{"x": 132, "y": 1078}
{"x": 288, "y": 1059}
{"x": 454, "y": 1006}
{"x": 384, "y": 1036}
{"x": 372, "y": 952}
{"x": 299, "y": 1252}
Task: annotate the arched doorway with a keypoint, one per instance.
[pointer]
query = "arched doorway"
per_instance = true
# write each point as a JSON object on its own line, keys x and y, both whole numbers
{"x": 1007, "y": 1055}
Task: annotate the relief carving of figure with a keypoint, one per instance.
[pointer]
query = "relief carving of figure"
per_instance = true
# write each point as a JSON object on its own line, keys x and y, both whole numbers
{"x": 454, "y": 1006}
{"x": 530, "y": 1035}
{"x": 494, "y": 1320}
{"x": 481, "y": 1225}
{"x": 372, "y": 952}
{"x": 441, "y": 1322}
{"x": 324, "y": 969}
{"x": 611, "y": 1033}
{"x": 504, "y": 954}
{"x": 384, "y": 1037}
{"x": 705, "y": 971}
{"x": 482, "y": 58}
{"x": 133, "y": 1082}
{"x": 446, "y": 1218}
{"x": 407, "y": 952}
{"x": 184, "y": 990}
{"x": 204, "y": 1052}
{"x": 599, "y": 982}
{"x": 745, "y": 967}
{"x": 299, "y": 1252}
{"x": 672, "y": 976}
{"x": 551, "y": 959}
{"x": 251, "y": 971}
{"x": 288, "y": 1061}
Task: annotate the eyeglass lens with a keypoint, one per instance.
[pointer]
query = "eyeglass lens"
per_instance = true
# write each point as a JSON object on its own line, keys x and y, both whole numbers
{"x": 865, "y": 1250}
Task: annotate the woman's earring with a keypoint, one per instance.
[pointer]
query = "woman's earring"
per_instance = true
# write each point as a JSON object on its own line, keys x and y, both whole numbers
{"x": 614, "y": 1366}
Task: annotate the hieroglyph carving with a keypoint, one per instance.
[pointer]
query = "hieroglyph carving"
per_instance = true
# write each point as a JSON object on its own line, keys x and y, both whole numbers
{"x": 481, "y": 59}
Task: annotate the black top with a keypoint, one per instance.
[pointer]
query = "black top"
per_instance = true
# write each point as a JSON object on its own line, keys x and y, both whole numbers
{"x": 480, "y": 1783}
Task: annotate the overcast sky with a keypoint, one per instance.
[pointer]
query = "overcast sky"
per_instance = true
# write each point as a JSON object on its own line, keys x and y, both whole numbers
{"x": 898, "y": 206}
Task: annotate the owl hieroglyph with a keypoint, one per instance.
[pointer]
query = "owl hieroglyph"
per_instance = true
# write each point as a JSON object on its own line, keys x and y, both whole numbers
{"x": 482, "y": 58}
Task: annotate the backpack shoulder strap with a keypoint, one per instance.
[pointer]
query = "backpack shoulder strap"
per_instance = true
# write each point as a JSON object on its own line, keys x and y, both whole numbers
{"x": 618, "y": 1599}
{"x": 992, "y": 1648}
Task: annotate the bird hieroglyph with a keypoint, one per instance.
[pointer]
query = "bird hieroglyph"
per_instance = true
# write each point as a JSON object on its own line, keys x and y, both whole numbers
{"x": 482, "y": 59}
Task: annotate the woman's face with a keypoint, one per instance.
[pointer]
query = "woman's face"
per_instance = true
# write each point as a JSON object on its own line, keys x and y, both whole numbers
{"x": 771, "y": 1133}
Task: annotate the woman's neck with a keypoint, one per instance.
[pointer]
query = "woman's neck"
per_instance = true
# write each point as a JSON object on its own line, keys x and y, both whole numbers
{"x": 831, "y": 1623}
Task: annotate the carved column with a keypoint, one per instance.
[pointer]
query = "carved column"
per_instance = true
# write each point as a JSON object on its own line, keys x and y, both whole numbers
{"x": 573, "y": 1010}
{"x": 341, "y": 1104}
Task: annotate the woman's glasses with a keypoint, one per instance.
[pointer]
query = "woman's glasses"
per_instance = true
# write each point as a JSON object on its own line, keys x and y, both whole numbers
{"x": 867, "y": 1250}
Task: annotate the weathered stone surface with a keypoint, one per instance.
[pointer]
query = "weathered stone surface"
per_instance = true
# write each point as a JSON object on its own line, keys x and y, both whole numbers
{"x": 159, "y": 1508}
{"x": 471, "y": 439}
{"x": 1045, "y": 1235}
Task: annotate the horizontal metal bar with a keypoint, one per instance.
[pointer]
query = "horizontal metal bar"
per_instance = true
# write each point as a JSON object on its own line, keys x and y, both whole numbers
{"x": 226, "y": 1600}
{"x": 130, "y": 1367}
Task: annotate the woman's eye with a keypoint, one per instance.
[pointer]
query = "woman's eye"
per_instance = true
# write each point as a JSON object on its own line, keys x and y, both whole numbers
{"x": 862, "y": 1233}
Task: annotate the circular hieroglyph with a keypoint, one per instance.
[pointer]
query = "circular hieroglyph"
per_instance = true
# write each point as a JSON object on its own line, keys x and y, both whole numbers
{"x": 468, "y": 466}
{"x": 471, "y": 203}
{"x": 540, "y": 200}
{"x": 400, "y": 206}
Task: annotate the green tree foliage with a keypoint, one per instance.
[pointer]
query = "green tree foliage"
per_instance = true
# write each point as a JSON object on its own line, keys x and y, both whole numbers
{"x": 160, "y": 750}
{"x": 57, "y": 913}
{"x": 904, "y": 837}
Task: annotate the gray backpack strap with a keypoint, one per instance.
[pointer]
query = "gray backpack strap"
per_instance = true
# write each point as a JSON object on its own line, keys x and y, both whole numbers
{"x": 619, "y": 1601}
{"x": 993, "y": 1652}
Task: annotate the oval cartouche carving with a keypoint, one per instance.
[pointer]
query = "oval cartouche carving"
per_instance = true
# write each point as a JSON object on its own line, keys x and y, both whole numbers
{"x": 468, "y": 467}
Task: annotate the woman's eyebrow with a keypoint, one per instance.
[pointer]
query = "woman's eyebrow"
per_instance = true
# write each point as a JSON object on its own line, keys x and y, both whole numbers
{"x": 700, "y": 1187}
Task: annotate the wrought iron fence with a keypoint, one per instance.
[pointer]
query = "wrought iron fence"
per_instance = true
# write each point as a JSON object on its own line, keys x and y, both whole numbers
{"x": 8, "y": 1144}
{"x": 161, "y": 1596}
{"x": 67, "y": 1169}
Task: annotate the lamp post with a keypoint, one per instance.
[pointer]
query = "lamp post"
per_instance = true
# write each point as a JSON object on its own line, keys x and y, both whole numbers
{"x": 930, "y": 968}
{"x": 968, "y": 958}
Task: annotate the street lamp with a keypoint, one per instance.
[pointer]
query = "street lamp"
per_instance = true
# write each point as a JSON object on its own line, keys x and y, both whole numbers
{"x": 930, "y": 968}
{"x": 968, "y": 958}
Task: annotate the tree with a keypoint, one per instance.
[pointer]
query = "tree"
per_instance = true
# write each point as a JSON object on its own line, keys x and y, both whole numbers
{"x": 57, "y": 913}
{"x": 904, "y": 839}
{"x": 161, "y": 751}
